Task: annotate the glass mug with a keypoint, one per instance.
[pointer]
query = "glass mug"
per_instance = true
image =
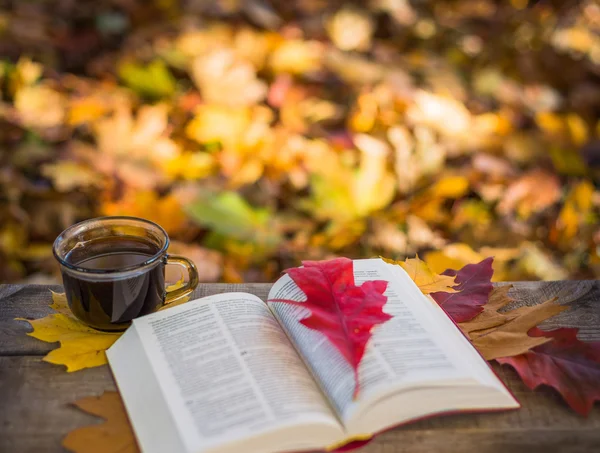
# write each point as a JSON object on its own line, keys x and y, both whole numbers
{"x": 113, "y": 270}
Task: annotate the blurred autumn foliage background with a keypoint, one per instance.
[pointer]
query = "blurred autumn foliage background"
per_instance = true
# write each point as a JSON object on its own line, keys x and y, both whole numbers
{"x": 261, "y": 133}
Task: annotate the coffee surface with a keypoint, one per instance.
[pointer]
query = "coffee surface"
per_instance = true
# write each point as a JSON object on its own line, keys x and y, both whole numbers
{"x": 111, "y": 305}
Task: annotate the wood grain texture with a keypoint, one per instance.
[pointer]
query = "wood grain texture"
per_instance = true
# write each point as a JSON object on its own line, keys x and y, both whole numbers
{"x": 35, "y": 396}
{"x": 31, "y": 301}
{"x": 36, "y": 414}
{"x": 582, "y": 296}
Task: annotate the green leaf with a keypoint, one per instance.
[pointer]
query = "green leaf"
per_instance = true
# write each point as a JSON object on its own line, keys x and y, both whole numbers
{"x": 567, "y": 162}
{"x": 153, "y": 80}
{"x": 228, "y": 214}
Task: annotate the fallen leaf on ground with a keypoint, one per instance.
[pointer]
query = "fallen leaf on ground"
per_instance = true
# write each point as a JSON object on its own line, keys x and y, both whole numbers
{"x": 531, "y": 193}
{"x": 570, "y": 366}
{"x": 40, "y": 106}
{"x": 297, "y": 57}
{"x": 427, "y": 280}
{"x": 113, "y": 436}
{"x": 67, "y": 176}
{"x": 575, "y": 212}
{"x": 229, "y": 214}
{"x": 166, "y": 211}
{"x": 429, "y": 204}
{"x": 224, "y": 79}
{"x": 351, "y": 29}
{"x": 474, "y": 284}
{"x": 345, "y": 313}
{"x": 154, "y": 80}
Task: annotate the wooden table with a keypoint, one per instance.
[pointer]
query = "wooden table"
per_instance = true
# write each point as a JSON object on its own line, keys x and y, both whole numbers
{"x": 34, "y": 396}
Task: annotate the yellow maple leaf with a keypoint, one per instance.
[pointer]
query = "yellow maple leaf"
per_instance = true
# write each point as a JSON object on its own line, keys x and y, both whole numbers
{"x": 510, "y": 338}
{"x": 427, "y": 280}
{"x": 80, "y": 345}
{"x": 59, "y": 303}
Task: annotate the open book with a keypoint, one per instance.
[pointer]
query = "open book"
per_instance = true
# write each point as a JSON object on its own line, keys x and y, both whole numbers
{"x": 229, "y": 373}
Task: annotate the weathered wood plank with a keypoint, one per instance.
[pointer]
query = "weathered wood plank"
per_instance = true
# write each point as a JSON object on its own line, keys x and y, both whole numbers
{"x": 582, "y": 296}
{"x": 35, "y": 414}
{"x": 35, "y": 397}
{"x": 31, "y": 301}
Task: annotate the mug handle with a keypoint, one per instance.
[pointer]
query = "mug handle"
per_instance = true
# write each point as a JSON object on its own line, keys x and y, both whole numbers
{"x": 187, "y": 288}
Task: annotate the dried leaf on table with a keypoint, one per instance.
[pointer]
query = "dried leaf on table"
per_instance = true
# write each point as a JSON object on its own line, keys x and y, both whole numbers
{"x": 115, "y": 435}
{"x": 80, "y": 346}
{"x": 490, "y": 317}
{"x": 567, "y": 364}
{"x": 511, "y": 338}
{"x": 427, "y": 280}
{"x": 59, "y": 303}
{"x": 473, "y": 286}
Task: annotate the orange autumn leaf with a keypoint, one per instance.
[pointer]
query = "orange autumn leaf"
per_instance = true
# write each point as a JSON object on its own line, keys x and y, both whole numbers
{"x": 490, "y": 317}
{"x": 531, "y": 193}
{"x": 504, "y": 334}
{"x": 166, "y": 211}
{"x": 113, "y": 436}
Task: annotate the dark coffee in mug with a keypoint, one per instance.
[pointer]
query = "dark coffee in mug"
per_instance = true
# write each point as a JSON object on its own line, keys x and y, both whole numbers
{"x": 113, "y": 270}
{"x": 107, "y": 304}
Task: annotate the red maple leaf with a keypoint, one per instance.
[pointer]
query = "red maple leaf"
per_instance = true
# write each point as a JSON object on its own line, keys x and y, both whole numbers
{"x": 569, "y": 365}
{"x": 343, "y": 312}
{"x": 474, "y": 285}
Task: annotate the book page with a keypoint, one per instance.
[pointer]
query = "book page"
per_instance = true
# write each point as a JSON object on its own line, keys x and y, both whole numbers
{"x": 406, "y": 350}
{"x": 228, "y": 371}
